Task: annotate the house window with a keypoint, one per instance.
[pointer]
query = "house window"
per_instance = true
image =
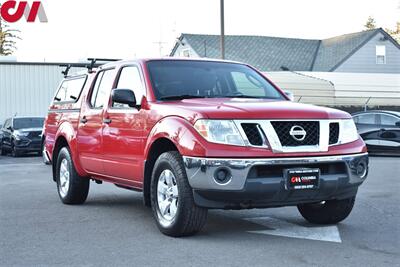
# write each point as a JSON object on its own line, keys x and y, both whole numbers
{"x": 185, "y": 53}
{"x": 380, "y": 54}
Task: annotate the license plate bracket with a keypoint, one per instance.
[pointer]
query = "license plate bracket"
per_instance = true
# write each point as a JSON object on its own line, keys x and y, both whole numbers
{"x": 302, "y": 178}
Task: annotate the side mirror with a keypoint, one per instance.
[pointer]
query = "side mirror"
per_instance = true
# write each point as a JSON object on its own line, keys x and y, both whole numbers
{"x": 290, "y": 95}
{"x": 10, "y": 128}
{"x": 124, "y": 96}
{"x": 397, "y": 124}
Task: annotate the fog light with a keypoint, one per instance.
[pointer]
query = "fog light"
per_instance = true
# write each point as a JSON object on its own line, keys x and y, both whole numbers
{"x": 361, "y": 169}
{"x": 222, "y": 176}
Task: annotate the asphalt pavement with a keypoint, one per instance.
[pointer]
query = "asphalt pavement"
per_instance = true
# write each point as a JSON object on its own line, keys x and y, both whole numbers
{"x": 113, "y": 228}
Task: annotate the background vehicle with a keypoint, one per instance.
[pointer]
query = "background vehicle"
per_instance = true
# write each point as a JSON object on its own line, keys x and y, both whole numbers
{"x": 1, "y": 135}
{"x": 21, "y": 135}
{"x": 199, "y": 134}
{"x": 380, "y": 130}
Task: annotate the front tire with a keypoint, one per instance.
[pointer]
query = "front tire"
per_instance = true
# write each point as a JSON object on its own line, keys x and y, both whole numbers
{"x": 72, "y": 188}
{"x": 172, "y": 201}
{"x": 14, "y": 152}
{"x": 327, "y": 212}
{"x": 3, "y": 150}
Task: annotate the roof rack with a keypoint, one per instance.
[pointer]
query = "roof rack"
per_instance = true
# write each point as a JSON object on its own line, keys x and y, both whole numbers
{"x": 92, "y": 64}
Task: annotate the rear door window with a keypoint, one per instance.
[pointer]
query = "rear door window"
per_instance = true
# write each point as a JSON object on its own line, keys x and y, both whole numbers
{"x": 388, "y": 120}
{"x": 70, "y": 90}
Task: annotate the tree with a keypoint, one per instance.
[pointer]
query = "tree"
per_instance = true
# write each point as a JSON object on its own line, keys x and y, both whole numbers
{"x": 8, "y": 39}
{"x": 370, "y": 24}
{"x": 395, "y": 33}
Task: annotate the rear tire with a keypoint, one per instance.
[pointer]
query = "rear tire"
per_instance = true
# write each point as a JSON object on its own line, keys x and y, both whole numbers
{"x": 172, "y": 201}
{"x": 72, "y": 188}
{"x": 330, "y": 212}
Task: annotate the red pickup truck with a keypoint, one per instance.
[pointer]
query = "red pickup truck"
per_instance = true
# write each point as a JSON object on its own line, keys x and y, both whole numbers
{"x": 199, "y": 134}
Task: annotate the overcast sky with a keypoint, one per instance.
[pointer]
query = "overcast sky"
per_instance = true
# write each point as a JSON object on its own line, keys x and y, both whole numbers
{"x": 125, "y": 29}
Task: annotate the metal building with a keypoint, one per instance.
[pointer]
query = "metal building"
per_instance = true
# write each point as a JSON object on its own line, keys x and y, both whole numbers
{"x": 341, "y": 89}
{"x": 26, "y": 88}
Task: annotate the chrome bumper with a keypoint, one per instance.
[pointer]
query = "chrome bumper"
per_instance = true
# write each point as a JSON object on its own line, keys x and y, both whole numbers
{"x": 201, "y": 172}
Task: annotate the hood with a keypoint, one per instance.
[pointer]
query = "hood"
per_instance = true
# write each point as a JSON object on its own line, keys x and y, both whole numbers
{"x": 236, "y": 108}
{"x": 25, "y": 130}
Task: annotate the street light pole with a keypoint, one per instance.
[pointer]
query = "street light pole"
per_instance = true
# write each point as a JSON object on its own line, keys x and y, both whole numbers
{"x": 222, "y": 31}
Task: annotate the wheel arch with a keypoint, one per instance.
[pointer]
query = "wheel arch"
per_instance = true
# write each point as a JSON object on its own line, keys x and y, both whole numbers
{"x": 61, "y": 142}
{"x": 66, "y": 137}
{"x": 158, "y": 147}
{"x": 172, "y": 133}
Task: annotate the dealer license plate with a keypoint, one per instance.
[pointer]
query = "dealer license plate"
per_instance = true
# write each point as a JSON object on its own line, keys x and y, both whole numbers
{"x": 302, "y": 178}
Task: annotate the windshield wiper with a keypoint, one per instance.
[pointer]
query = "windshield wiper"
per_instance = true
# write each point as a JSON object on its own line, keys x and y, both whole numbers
{"x": 180, "y": 97}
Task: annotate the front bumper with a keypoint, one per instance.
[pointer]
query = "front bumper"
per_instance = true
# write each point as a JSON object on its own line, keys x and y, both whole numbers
{"x": 262, "y": 183}
{"x": 28, "y": 145}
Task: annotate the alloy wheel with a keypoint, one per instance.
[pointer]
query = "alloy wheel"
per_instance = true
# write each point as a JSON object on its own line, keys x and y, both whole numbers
{"x": 63, "y": 186}
{"x": 167, "y": 197}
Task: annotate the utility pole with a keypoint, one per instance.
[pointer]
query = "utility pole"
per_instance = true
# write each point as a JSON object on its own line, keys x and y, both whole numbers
{"x": 222, "y": 30}
{"x": 160, "y": 46}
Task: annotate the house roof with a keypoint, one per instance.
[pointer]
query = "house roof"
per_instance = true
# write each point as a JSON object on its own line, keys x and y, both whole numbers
{"x": 334, "y": 50}
{"x": 265, "y": 53}
{"x": 275, "y": 53}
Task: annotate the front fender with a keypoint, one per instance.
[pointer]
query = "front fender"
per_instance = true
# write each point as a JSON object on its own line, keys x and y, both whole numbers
{"x": 180, "y": 132}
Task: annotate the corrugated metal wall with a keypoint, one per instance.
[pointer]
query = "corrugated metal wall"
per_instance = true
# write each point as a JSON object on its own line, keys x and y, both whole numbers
{"x": 27, "y": 89}
{"x": 306, "y": 89}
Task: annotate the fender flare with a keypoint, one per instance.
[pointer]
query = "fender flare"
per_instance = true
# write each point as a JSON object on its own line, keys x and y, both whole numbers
{"x": 180, "y": 132}
{"x": 67, "y": 131}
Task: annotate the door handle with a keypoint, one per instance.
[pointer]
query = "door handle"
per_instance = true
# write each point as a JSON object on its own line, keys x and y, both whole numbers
{"x": 84, "y": 120}
{"x": 107, "y": 121}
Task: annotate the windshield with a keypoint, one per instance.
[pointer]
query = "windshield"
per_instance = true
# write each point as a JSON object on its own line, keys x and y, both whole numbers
{"x": 178, "y": 79}
{"x": 24, "y": 123}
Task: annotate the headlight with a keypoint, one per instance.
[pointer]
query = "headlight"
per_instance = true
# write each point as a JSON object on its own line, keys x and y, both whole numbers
{"x": 348, "y": 131}
{"x": 18, "y": 134}
{"x": 219, "y": 131}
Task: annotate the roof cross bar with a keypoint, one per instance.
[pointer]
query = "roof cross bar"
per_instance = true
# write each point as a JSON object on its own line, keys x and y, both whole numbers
{"x": 93, "y": 61}
{"x": 76, "y": 65}
{"x": 92, "y": 64}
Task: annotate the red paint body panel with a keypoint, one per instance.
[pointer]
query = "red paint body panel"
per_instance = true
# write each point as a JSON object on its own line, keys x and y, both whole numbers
{"x": 89, "y": 141}
{"x": 116, "y": 151}
{"x": 223, "y": 108}
{"x": 123, "y": 144}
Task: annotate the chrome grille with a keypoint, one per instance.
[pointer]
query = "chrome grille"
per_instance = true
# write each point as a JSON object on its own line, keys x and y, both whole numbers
{"x": 277, "y": 135}
{"x": 283, "y": 128}
{"x": 35, "y": 134}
